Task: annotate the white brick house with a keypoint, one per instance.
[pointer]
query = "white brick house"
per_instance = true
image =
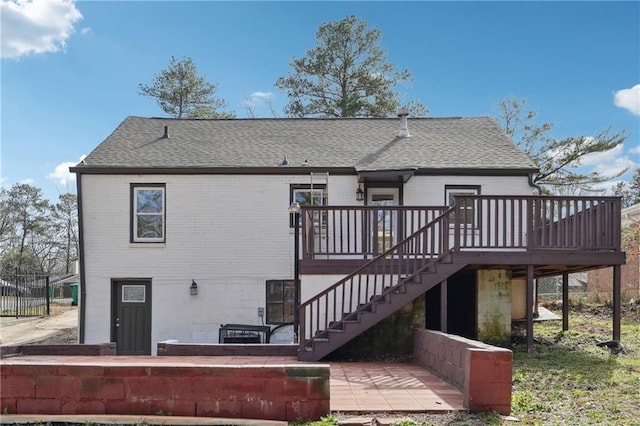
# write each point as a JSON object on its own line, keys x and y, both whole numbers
{"x": 165, "y": 203}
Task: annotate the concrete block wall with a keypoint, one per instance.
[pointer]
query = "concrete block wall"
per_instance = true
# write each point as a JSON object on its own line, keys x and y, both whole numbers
{"x": 494, "y": 306}
{"x": 481, "y": 371}
{"x": 270, "y": 392}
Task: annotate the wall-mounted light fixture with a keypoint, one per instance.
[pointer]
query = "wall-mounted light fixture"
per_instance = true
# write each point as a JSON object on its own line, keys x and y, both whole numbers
{"x": 294, "y": 207}
{"x": 359, "y": 194}
{"x": 193, "y": 289}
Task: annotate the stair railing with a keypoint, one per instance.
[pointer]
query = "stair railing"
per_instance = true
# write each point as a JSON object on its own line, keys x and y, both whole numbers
{"x": 383, "y": 273}
{"x": 475, "y": 222}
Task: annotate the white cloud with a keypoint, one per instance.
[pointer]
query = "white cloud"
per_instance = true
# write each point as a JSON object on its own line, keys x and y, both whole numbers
{"x": 615, "y": 167}
{"x": 261, "y": 96}
{"x": 635, "y": 150}
{"x": 605, "y": 188}
{"x": 61, "y": 173}
{"x": 28, "y": 181}
{"x": 259, "y": 104}
{"x": 608, "y": 163}
{"x": 603, "y": 157}
{"x": 36, "y": 26}
{"x": 628, "y": 99}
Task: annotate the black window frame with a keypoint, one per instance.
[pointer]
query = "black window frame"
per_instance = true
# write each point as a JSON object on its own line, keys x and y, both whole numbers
{"x": 133, "y": 213}
{"x": 281, "y": 302}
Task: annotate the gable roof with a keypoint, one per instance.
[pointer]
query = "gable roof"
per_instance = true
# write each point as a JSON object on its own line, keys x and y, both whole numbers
{"x": 355, "y": 145}
{"x": 631, "y": 215}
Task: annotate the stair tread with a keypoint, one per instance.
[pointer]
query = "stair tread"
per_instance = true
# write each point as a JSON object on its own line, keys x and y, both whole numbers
{"x": 381, "y": 306}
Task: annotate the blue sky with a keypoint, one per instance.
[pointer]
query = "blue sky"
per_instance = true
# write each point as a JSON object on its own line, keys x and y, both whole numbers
{"x": 70, "y": 70}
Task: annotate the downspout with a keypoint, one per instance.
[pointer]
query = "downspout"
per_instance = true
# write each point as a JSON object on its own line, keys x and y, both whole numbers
{"x": 533, "y": 184}
{"x": 83, "y": 290}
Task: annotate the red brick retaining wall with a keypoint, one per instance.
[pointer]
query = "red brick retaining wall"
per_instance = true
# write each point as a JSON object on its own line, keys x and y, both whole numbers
{"x": 482, "y": 372}
{"x": 110, "y": 386}
{"x": 70, "y": 349}
{"x": 192, "y": 349}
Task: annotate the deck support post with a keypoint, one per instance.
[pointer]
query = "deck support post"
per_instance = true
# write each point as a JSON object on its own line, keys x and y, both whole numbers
{"x": 536, "y": 314}
{"x": 529, "y": 303}
{"x": 616, "y": 302}
{"x": 443, "y": 306}
{"x": 565, "y": 301}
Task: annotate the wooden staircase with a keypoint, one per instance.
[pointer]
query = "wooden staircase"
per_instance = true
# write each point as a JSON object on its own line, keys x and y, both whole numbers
{"x": 376, "y": 290}
{"x": 560, "y": 234}
{"x": 379, "y": 307}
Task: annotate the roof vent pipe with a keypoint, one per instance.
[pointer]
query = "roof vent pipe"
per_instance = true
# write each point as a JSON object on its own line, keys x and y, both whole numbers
{"x": 166, "y": 132}
{"x": 404, "y": 127}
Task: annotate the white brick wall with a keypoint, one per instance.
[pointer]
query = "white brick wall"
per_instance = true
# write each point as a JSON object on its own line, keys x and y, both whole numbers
{"x": 228, "y": 232}
{"x": 429, "y": 190}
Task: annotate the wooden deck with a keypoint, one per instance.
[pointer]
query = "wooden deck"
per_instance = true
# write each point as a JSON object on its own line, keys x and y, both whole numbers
{"x": 555, "y": 234}
{"x": 393, "y": 254}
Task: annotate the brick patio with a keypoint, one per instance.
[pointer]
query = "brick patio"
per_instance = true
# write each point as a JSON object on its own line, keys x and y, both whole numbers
{"x": 354, "y": 387}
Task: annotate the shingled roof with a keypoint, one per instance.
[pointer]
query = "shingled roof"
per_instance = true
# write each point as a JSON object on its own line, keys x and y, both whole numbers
{"x": 363, "y": 144}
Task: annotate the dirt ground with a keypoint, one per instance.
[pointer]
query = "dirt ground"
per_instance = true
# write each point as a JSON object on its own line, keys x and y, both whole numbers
{"x": 61, "y": 326}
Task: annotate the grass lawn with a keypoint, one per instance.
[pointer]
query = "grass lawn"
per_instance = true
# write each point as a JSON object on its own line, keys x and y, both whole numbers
{"x": 567, "y": 379}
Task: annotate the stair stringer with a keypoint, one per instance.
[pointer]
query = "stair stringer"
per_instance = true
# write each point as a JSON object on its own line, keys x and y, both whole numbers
{"x": 385, "y": 304}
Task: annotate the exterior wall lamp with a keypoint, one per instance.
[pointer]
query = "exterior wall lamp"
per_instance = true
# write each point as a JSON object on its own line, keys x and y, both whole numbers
{"x": 193, "y": 289}
{"x": 294, "y": 207}
{"x": 359, "y": 194}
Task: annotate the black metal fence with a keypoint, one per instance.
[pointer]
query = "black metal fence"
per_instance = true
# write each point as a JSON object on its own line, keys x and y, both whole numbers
{"x": 25, "y": 295}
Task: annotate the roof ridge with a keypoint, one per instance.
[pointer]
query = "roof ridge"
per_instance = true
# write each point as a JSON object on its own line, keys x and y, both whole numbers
{"x": 470, "y": 143}
{"x": 306, "y": 118}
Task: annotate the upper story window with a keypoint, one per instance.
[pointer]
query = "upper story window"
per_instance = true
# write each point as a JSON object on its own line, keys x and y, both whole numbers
{"x": 305, "y": 195}
{"x": 467, "y": 208}
{"x": 148, "y": 213}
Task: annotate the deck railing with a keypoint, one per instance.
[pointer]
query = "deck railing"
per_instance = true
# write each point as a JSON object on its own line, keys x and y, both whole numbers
{"x": 376, "y": 278}
{"x": 360, "y": 231}
{"x": 525, "y": 223}
{"x": 537, "y": 223}
{"x": 478, "y": 222}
